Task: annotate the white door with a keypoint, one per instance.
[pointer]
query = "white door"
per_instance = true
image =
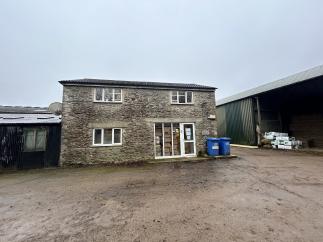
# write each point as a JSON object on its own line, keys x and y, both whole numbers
{"x": 187, "y": 139}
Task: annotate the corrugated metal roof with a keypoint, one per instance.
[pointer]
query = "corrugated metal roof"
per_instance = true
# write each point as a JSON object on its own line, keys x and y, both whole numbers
{"x": 23, "y": 109}
{"x": 293, "y": 79}
{"x": 28, "y": 118}
{"x": 88, "y": 81}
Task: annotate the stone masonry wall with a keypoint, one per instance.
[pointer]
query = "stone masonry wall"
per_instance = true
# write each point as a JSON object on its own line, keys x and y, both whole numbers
{"x": 136, "y": 115}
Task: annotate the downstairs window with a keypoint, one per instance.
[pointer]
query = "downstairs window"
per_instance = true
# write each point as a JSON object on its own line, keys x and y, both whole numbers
{"x": 107, "y": 137}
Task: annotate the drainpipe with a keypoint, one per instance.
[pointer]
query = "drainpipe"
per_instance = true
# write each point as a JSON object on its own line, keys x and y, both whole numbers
{"x": 258, "y": 128}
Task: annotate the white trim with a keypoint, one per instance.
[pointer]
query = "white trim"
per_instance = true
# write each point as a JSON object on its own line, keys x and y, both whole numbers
{"x": 98, "y": 145}
{"x": 154, "y": 139}
{"x": 120, "y": 136}
{"x": 187, "y": 141}
{"x": 182, "y": 141}
{"x": 172, "y": 135}
{"x": 177, "y": 100}
{"x": 163, "y": 138}
{"x": 102, "y": 137}
{"x": 103, "y": 94}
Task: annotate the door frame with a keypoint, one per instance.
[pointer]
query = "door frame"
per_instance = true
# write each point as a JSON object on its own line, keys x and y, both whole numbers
{"x": 182, "y": 142}
{"x": 191, "y": 141}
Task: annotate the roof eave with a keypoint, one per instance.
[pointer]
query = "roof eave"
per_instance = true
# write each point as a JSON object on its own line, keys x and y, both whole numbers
{"x": 300, "y": 77}
{"x": 76, "y": 83}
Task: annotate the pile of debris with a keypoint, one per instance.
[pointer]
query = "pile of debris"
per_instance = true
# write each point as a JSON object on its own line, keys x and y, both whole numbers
{"x": 278, "y": 140}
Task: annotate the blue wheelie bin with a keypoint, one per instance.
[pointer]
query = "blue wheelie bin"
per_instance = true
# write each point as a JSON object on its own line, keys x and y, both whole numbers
{"x": 224, "y": 146}
{"x": 213, "y": 146}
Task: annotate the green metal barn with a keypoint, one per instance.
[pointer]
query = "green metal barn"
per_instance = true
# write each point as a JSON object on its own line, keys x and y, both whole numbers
{"x": 292, "y": 105}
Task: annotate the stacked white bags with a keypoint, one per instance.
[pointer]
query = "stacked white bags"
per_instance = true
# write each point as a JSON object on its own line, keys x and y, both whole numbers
{"x": 283, "y": 141}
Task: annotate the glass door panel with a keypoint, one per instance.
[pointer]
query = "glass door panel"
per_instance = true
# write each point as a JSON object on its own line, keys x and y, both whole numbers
{"x": 189, "y": 148}
{"x": 176, "y": 139}
{"x": 159, "y": 139}
{"x": 168, "y": 140}
{"x": 188, "y": 139}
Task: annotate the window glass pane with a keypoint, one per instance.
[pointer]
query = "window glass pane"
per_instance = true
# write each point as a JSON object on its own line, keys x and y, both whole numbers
{"x": 117, "y": 97}
{"x": 117, "y": 90}
{"x": 174, "y": 98}
{"x": 98, "y": 94}
{"x": 97, "y": 136}
{"x": 181, "y": 93}
{"x": 107, "y": 139}
{"x": 41, "y": 140}
{"x": 189, "y": 96}
{"x": 108, "y": 95}
{"x": 117, "y": 136}
{"x": 181, "y": 99}
{"x": 29, "y": 142}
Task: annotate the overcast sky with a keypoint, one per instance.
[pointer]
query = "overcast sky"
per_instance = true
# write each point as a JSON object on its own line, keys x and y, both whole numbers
{"x": 232, "y": 45}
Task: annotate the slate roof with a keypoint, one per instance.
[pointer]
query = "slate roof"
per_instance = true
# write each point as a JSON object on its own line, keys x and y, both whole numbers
{"x": 290, "y": 80}
{"x": 141, "y": 84}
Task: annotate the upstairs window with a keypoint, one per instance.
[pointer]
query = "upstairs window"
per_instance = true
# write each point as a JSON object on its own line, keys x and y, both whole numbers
{"x": 107, "y": 137}
{"x": 112, "y": 95}
{"x": 182, "y": 97}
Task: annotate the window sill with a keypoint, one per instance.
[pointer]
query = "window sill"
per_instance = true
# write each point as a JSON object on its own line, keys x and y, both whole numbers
{"x": 182, "y": 103}
{"x": 108, "y": 145}
{"x": 107, "y": 102}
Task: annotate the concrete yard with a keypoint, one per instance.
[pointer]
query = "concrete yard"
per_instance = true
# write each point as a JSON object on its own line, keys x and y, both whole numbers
{"x": 263, "y": 195}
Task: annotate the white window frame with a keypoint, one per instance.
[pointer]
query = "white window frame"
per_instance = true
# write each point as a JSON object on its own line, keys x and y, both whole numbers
{"x": 102, "y": 137}
{"x": 177, "y": 95}
{"x": 103, "y": 95}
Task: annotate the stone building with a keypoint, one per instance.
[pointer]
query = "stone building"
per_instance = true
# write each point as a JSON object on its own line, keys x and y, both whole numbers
{"x": 108, "y": 121}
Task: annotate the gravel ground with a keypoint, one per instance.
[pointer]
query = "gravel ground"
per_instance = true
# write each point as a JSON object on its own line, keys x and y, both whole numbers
{"x": 264, "y": 195}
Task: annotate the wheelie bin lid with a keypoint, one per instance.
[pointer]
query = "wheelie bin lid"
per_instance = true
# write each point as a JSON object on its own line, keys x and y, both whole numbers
{"x": 225, "y": 138}
{"x": 213, "y": 139}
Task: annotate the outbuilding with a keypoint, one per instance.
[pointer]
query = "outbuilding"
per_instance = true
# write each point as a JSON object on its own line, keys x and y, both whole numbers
{"x": 292, "y": 105}
{"x": 29, "y": 137}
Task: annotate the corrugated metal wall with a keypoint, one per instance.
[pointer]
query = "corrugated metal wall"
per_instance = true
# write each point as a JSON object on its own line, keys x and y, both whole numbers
{"x": 11, "y": 144}
{"x": 237, "y": 121}
{"x": 13, "y": 156}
